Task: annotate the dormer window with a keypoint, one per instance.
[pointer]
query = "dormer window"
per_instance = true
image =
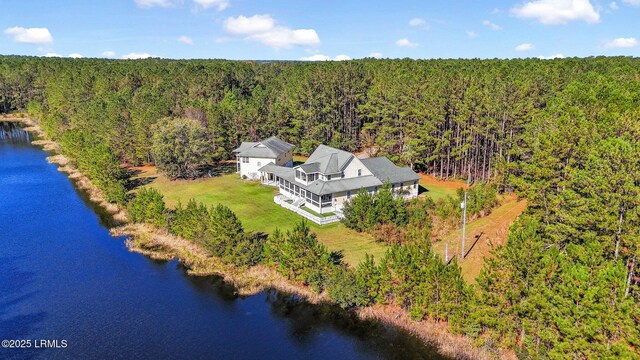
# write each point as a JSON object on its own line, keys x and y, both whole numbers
{"x": 328, "y": 177}
{"x": 359, "y": 172}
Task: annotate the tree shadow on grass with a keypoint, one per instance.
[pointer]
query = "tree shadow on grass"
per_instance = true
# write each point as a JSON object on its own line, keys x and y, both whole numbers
{"x": 216, "y": 169}
{"x": 133, "y": 181}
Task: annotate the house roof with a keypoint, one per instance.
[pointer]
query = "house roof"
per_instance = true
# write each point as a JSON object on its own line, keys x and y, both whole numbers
{"x": 320, "y": 187}
{"x": 385, "y": 170}
{"x": 282, "y": 171}
{"x": 327, "y": 160}
{"x": 350, "y": 184}
{"x": 268, "y": 148}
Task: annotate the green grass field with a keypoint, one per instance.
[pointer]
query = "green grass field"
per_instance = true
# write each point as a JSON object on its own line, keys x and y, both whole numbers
{"x": 253, "y": 203}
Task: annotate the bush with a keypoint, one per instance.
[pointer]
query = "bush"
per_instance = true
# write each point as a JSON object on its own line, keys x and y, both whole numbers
{"x": 191, "y": 222}
{"x": 365, "y": 211}
{"x": 359, "y": 213}
{"x": 390, "y": 234}
{"x": 344, "y": 288}
{"x": 299, "y": 256}
{"x": 148, "y": 206}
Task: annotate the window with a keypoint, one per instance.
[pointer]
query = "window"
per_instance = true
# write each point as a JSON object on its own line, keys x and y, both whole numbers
{"x": 359, "y": 172}
{"x": 258, "y": 163}
{"x": 342, "y": 174}
{"x": 348, "y": 194}
{"x": 328, "y": 177}
{"x": 415, "y": 184}
{"x": 245, "y": 159}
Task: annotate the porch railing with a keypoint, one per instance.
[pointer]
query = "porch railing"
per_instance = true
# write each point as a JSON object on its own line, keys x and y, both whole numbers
{"x": 320, "y": 220}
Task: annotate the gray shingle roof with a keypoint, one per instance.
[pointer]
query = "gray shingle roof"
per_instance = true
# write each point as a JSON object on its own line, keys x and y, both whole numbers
{"x": 267, "y": 148}
{"x": 384, "y": 170}
{"x": 282, "y": 171}
{"x": 328, "y": 160}
{"x": 320, "y": 187}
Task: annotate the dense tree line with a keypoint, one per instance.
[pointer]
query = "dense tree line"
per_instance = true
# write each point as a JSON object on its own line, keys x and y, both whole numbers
{"x": 448, "y": 117}
{"x": 563, "y": 133}
{"x": 566, "y": 283}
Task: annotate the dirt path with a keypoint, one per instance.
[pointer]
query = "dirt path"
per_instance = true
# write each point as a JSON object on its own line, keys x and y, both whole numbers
{"x": 492, "y": 231}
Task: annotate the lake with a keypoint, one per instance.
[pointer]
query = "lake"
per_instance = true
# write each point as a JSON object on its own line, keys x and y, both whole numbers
{"x": 64, "y": 278}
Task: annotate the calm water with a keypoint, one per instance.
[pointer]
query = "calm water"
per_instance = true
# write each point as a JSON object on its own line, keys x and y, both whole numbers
{"x": 63, "y": 277}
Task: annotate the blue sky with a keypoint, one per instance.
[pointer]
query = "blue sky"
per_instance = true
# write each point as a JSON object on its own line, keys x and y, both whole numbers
{"x": 327, "y": 29}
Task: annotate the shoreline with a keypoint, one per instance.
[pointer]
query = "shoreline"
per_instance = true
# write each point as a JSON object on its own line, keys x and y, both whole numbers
{"x": 159, "y": 245}
{"x": 95, "y": 195}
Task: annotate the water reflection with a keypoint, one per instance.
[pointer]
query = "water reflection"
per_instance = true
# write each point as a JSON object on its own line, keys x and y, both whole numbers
{"x": 12, "y": 133}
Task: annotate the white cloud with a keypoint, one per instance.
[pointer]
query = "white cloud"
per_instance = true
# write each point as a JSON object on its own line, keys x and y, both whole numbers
{"x": 614, "y": 5}
{"x": 316, "y": 57}
{"x": 75, "y": 56}
{"x": 109, "y": 53}
{"x": 492, "y": 26}
{"x": 417, "y": 22}
{"x": 263, "y": 28}
{"x": 632, "y": 2}
{"x": 556, "y": 56}
{"x": 622, "y": 43}
{"x": 52, "y": 55}
{"x": 185, "y": 40}
{"x": 37, "y": 36}
{"x": 376, "y": 55}
{"x": 525, "y": 47}
{"x": 472, "y": 34}
{"x": 219, "y": 4}
{"x": 404, "y": 42}
{"x": 136, "y": 56}
{"x": 321, "y": 57}
{"x": 255, "y": 24}
{"x": 152, "y": 3}
{"x": 555, "y": 12}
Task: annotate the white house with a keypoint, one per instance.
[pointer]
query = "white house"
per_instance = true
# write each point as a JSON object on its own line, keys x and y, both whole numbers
{"x": 251, "y": 156}
{"x": 330, "y": 177}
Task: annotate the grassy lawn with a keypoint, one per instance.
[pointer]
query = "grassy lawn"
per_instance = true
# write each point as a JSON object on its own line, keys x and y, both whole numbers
{"x": 437, "y": 189}
{"x": 490, "y": 231}
{"x": 315, "y": 213}
{"x": 253, "y": 203}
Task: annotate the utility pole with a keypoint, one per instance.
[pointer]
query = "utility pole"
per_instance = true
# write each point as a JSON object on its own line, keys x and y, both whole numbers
{"x": 463, "y": 205}
{"x": 446, "y": 252}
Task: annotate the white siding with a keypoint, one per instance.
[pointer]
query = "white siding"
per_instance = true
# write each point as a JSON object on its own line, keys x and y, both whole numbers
{"x": 250, "y": 169}
{"x": 352, "y": 169}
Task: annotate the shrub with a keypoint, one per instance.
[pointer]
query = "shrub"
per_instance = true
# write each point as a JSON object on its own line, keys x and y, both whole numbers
{"x": 343, "y": 288}
{"x": 148, "y": 206}
{"x": 299, "y": 256}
